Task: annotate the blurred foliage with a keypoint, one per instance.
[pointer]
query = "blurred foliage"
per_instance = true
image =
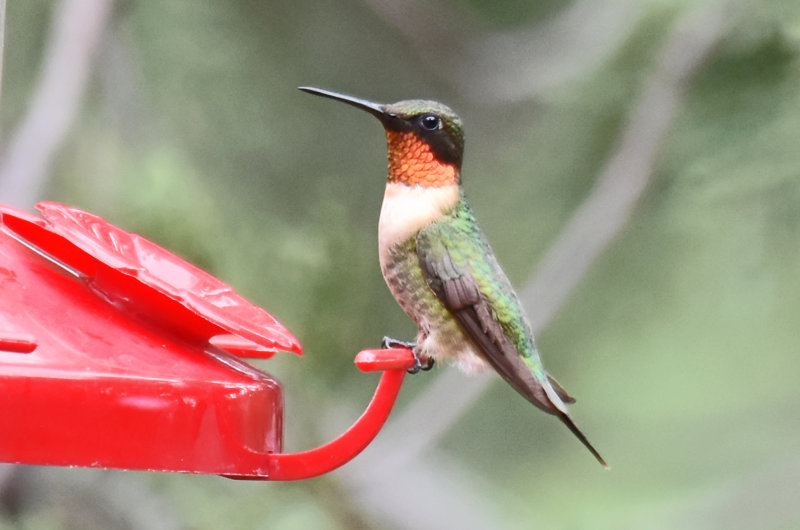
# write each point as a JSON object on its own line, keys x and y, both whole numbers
{"x": 515, "y": 12}
{"x": 681, "y": 344}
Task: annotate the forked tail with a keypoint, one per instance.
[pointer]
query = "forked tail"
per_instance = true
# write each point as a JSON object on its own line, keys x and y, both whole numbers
{"x": 582, "y": 437}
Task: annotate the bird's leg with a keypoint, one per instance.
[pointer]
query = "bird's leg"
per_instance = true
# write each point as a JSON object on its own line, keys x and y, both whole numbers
{"x": 420, "y": 363}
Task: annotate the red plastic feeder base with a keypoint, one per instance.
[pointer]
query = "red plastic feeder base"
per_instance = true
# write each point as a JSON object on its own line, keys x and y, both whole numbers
{"x": 115, "y": 353}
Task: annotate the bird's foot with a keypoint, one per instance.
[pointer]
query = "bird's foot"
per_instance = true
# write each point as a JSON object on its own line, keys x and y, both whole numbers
{"x": 423, "y": 363}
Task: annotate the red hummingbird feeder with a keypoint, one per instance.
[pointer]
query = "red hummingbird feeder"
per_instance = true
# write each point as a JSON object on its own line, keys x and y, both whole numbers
{"x": 115, "y": 353}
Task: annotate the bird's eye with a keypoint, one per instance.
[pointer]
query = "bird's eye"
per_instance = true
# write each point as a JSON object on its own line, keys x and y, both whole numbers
{"x": 430, "y": 122}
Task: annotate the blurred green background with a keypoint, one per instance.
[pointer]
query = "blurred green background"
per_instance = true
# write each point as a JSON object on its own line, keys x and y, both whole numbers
{"x": 681, "y": 341}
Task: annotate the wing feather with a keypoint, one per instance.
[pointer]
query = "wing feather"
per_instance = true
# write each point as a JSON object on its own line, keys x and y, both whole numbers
{"x": 452, "y": 258}
{"x": 447, "y": 257}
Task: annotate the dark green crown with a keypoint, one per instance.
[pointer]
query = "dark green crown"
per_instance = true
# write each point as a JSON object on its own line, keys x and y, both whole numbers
{"x": 435, "y": 123}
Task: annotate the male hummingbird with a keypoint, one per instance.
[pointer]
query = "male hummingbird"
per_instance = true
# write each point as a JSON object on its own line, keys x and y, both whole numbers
{"x": 439, "y": 265}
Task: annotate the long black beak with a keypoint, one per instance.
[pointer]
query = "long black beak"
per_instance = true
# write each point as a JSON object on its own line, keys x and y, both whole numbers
{"x": 376, "y": 109}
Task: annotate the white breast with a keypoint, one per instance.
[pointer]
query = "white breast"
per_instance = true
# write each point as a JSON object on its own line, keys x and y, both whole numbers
{"x": 407, "y": 209}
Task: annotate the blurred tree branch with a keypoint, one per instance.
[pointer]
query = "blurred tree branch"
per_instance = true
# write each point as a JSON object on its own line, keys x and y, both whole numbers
{"x": 75, "y": 33}
{"x": 522, "y": 63}
{"x": 628, "y": 171}
{"x": 408, "y": 444}
{"x": 512, "y": 65}
{"x": 71, "y": 45}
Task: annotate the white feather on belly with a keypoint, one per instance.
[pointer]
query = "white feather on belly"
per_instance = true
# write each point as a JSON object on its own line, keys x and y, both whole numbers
{"x": 407, "y": 209}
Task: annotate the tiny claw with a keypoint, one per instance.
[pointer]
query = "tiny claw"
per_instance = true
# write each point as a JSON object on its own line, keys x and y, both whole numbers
{"x": 429, "y": 362}
{"x": 420, "y": 363}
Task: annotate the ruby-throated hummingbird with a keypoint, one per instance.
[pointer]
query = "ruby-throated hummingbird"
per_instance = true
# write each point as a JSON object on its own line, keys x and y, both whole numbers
{"x": 439, "y": 265}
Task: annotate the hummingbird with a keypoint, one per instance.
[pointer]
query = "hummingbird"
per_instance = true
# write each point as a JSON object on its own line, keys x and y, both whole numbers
{"x": 438, "y": 264}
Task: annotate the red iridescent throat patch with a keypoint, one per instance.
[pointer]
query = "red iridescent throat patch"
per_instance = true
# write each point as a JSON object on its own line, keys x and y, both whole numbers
{"x": 412, "y": 162}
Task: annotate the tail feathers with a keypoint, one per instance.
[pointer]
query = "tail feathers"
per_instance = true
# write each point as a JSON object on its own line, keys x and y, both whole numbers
{"x": 557, "y": 397}
{"x": 543, "y": 391}
{"x": 582, "y": 437}
{"x": 560, "y": 390}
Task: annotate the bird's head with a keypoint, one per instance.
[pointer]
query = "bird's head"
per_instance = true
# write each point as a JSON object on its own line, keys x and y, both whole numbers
{"x": 425, "y": 138}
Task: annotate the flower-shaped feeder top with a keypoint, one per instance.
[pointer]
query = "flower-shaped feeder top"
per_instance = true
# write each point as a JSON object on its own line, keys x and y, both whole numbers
{"x": 116, "y": 353}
